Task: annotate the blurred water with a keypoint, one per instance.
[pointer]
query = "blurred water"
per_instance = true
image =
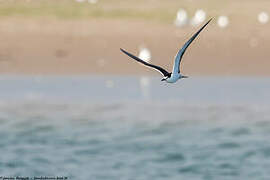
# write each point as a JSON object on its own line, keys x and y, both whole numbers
{"x": 198, "y": 128}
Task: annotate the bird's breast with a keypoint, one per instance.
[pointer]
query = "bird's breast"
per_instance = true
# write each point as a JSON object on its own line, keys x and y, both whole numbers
{"x": 173, "y": 78}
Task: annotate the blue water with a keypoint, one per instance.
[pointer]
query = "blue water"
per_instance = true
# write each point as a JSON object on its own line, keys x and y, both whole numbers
{"x": 109, "y": 127}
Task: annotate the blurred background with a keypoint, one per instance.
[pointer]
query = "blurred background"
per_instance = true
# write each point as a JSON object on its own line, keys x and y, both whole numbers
{"x": 73, "y": 105}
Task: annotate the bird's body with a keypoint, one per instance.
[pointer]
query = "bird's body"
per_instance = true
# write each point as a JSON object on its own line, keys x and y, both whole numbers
{"x": 175, "y": 75}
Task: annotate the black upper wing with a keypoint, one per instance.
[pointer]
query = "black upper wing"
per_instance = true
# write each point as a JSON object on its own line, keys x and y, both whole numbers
{"x": 160, "y": 69}
{"x": 178, "y": 58}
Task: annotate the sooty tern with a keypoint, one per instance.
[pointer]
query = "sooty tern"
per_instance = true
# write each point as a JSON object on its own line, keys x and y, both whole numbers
{"x": 175, "y": 74}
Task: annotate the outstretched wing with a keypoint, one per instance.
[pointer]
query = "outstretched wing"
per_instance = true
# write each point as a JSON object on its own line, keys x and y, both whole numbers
{"x": 159, "y": 69}
{"x": 178, "y": 57}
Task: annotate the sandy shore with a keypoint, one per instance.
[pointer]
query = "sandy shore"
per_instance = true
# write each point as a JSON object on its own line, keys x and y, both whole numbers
{"x": 49, "y": 46}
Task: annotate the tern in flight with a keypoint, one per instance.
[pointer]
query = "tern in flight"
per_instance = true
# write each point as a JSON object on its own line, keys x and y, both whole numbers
{"x": 175, "y": 74}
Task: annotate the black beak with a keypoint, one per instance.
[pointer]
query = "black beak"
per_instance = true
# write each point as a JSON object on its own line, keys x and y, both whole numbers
{"x": 163, "y": 79}
{"x": 184, "y": 76}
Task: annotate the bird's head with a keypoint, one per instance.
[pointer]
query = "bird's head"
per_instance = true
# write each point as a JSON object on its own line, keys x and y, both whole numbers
{"x": 164, "y": 78}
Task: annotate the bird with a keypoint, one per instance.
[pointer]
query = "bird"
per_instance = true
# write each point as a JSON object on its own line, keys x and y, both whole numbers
{"x": 175, "y": 75}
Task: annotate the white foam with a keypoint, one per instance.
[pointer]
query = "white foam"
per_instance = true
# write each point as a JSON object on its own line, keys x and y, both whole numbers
{"x": 199, "y": 17}
{"x": 145, "y": 54}
{"x": 223, "y": 21}
{"x": 263, "y": 17}
{"x": 181, "y": 18}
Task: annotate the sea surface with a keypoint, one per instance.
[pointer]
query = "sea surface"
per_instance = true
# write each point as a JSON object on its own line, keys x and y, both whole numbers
{"x": 135, "y": 128}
